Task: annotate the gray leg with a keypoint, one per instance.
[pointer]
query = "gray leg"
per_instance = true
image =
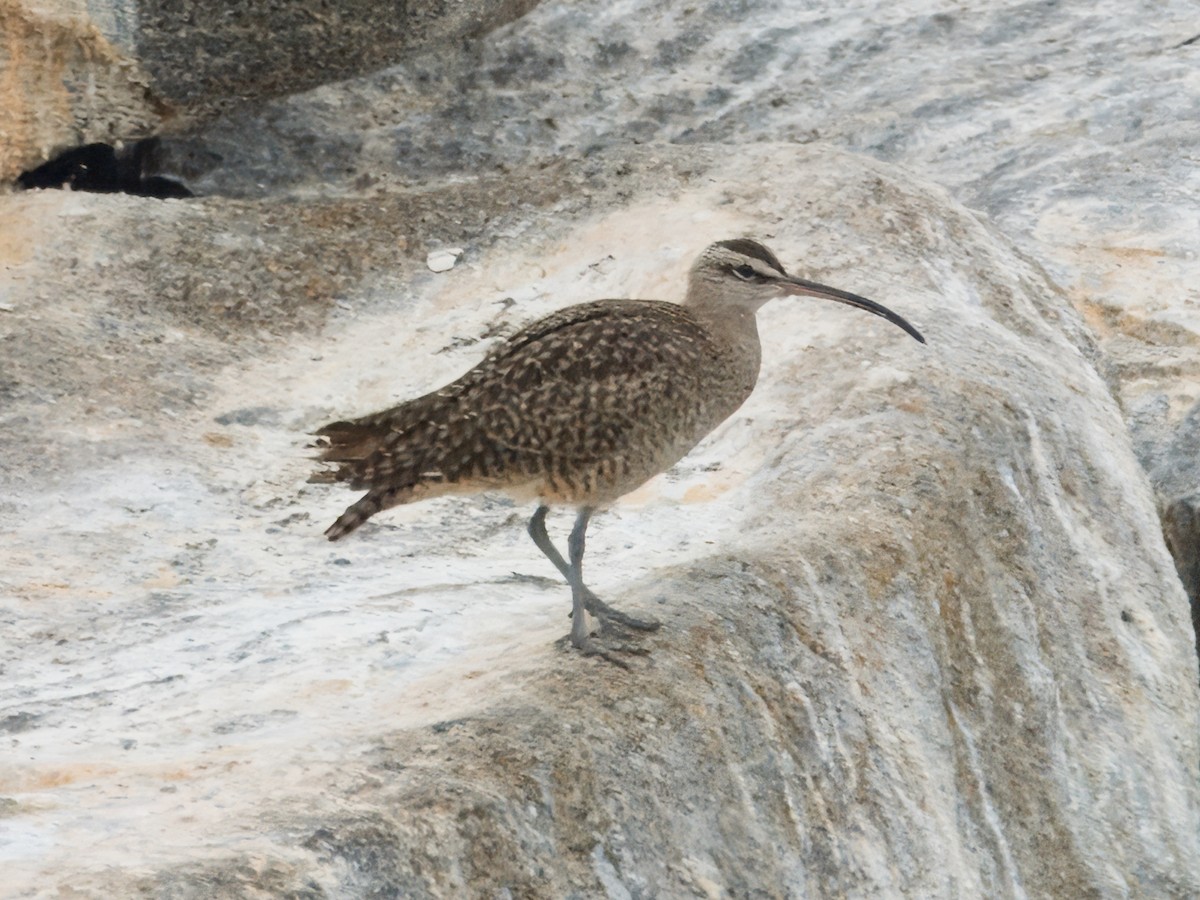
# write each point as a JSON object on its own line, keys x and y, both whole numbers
{"x": 580, "y": 638}
{"x": 579, "y": 631}
{"x": 537, "y": 531}
{"x": 592, "y": 603}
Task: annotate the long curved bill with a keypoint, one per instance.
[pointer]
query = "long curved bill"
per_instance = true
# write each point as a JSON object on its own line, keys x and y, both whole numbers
{"x": 801, "y": 287}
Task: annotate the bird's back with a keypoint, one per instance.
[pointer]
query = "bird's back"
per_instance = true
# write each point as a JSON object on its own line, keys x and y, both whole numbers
{"x": 578, "y": 407}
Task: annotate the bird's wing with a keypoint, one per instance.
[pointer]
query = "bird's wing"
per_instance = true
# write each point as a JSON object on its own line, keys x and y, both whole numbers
{"x": 591, "y": 380}
{"x": 581, "y": 385}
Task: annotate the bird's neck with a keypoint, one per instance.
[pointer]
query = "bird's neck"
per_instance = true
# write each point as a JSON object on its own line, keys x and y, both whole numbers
{"x": 734, "y": 330}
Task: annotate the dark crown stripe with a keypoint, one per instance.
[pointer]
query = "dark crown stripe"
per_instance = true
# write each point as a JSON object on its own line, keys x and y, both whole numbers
{"x": 752, "y": 249}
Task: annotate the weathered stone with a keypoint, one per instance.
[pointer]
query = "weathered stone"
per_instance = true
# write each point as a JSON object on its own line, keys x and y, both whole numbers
{"x": 922, "y": 633}
{"x": 64, "y": 83}
{"x": 1006, "y": 110}
{"x": 923, "y": 636}
{"x": 1181, "y": 528}
{"x": 210, "y": 56}
{"x": 1166, "y": 442}
{"x": 124, "y": 69}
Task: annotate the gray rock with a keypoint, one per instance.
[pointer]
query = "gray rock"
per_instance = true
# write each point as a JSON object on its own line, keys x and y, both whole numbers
{"x": 923, "y": 636}
{"x": 1181, "y": 528}
{"x": 1167, "y": 446}
{"x": 205, "y": 57}
{"x": 130, "y": 68}
{"x": 1084, "y": 163}
{"x": 65, "y": 84}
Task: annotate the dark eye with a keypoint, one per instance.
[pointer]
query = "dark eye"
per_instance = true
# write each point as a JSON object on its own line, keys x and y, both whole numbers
{"x": 744, "y": 272}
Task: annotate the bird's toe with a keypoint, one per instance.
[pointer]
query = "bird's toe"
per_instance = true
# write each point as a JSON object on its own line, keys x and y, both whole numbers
{"x": 610, "y": 616}
{"x": 604, "y": 648}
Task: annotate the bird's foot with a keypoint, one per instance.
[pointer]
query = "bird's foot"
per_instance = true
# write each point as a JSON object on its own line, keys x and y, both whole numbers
{"x": 606, "y": 650}
{"x": 609, "y": 617}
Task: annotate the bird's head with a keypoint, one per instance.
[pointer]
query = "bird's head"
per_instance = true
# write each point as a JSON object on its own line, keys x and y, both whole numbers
{"x": 746, "y": 274}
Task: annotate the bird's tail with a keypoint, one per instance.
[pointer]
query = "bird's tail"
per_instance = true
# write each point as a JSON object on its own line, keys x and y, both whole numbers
{"x": 392, "y": 455}
{"x": 371, "y": 503}
{"x": 349, "y": 443}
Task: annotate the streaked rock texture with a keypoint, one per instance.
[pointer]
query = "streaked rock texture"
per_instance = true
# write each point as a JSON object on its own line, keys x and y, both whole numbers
{"x": 923, "y": 635}
{"x": 63, "y": 83}
{"x": 1073, "y": 130}
{"x": 211, "y": 56}
{"x": 918, "y": 605}
{"x": 108, "y": 70}
{"x": 1071, "y": 127}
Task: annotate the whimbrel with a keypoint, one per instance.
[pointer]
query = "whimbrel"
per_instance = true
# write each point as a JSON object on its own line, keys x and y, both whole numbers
{"x": 579, "y": 408}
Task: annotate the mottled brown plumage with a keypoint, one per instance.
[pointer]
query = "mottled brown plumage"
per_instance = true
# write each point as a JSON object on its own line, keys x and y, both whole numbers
{"x": 580, "y": 408}
{"x": 577, "y": 408}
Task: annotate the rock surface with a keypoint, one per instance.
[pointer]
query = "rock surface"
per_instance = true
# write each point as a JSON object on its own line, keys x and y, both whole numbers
{"x": 923, "y": 636}
{"x": 205, "y": 57}
{"x": 903, "y": 620}
{"x": 64, "y": 83}
{"x": 1071, "y": 127}
{"x": 111, "y": 70}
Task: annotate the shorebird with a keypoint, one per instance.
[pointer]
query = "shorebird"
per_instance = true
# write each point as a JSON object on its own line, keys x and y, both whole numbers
{"x": 579, "y": 408}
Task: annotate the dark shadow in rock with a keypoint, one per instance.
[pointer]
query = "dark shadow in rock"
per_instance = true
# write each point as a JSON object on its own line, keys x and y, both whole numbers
{"x": 103, "y": 169}
{"x": 1181, "y": 528}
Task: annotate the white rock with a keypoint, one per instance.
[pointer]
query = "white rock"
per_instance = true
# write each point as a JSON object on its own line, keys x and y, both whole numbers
{"x": 922, "y": 634}
{"x": 924, "y": 593}
{"x": 443, "y": 260}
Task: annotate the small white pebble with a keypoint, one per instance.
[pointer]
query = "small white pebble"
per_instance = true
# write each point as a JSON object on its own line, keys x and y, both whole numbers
{"x": 443, "y": 260}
